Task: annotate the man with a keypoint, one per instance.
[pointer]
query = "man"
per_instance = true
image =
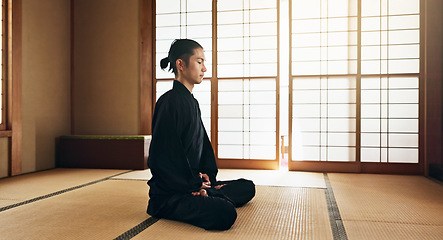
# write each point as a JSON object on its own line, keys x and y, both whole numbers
{"x": 183, "y": 186}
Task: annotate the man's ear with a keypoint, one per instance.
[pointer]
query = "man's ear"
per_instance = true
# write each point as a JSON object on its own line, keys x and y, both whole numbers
{"x": 180, "y": 64}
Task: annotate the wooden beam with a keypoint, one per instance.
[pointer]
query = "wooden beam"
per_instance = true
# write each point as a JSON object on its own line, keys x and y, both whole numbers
{"x": 247, "y": 164}
{"x": 9, "y": 65}
{"x": 147, "y": 36}
{"x": 214, "y": 83}
{"x": 72, "y": 73}
{"x": 6, "y": 133}
{"x": 323, "y": 166}
{"x": 4, "y": 75}
{"x": 15, "y": 166}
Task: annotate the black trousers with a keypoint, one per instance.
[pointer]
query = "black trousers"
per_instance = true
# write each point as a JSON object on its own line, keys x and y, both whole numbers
{"x": 215, "y": 212}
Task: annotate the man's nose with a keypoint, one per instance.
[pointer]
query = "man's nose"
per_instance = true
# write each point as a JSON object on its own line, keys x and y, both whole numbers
{"x": 204, "y": 68}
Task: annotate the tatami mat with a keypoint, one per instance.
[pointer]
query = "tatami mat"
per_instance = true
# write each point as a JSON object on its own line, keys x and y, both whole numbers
{"x": 274, "y": 213}
{"x": 143, "y": 175}
{"x": 100, "y": 211}
{"x": 389, "y": 206}
{"x": 390, "y": 231}
{"x": 288, "y": 205}
{"x": 276, "y": 177}
{"x": 33, "y": 185}
{"x": 259, "y": 177}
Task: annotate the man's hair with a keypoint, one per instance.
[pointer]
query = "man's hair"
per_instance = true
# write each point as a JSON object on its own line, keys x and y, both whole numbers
{"x": 180, "y": 49}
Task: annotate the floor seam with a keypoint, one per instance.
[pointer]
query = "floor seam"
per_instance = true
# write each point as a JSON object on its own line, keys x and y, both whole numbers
{"x": 337, "y": 226}
{"x": 137, "y": 229}
{"x": 128, "y": 179}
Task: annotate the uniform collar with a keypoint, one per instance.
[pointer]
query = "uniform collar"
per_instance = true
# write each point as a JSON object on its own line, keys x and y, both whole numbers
{"x": 178, "y": 86}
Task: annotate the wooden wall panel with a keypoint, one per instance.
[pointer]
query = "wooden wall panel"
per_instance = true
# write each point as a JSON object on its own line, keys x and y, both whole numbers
{"x": 45, "y": 79}
{"x": 106, "y": 84}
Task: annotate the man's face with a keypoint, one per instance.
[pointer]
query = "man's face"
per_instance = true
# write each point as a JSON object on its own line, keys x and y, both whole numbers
{"x": 194, "y": 71}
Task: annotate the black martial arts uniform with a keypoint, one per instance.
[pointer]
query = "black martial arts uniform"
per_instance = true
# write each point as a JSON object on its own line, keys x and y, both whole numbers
{"x": 180, "y": 149}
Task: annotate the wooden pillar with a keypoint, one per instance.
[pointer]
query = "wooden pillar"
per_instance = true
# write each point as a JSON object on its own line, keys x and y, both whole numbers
{"x": 147, "y": 56}
{"x": 433, "y": 65}
{"x": 15, "y": 166}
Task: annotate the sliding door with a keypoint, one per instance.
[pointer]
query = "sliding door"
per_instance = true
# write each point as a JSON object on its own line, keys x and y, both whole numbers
{"x": 355, "y": 86}
{"x": 390, "y": 86}
{"x": 247, "y": 84}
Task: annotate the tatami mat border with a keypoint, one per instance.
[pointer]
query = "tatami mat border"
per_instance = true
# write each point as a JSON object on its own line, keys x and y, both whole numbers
{"x": 58, "y": 192}
{"x": 337, "y": 227}
{"x": 137, "y": 229}
{"x": 127, "y": 179}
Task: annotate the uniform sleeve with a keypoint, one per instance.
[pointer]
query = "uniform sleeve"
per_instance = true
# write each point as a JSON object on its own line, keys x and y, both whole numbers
{"x": 207, "y": 163}
{"x": 167, "y": 159}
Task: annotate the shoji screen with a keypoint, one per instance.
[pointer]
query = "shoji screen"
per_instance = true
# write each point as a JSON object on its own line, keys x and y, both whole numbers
{"x": 324, "y": 77}
{"x": 247, "y": 75}
{"x": 185, "y": 19}
{"x": 355, "y": 71}
{"x": 390, "y": 65}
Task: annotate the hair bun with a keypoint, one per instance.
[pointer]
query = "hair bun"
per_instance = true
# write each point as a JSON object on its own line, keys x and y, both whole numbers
{"x": 164, "y": 62}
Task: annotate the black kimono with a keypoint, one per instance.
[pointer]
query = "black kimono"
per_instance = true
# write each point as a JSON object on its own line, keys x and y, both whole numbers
{"x": 180, "y": 149}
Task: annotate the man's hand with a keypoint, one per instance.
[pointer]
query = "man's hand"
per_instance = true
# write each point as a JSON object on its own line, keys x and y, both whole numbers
{"x": 219, "y": 186}
{"x": 206, "y": 183}
{"x": 202, "y": 192}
